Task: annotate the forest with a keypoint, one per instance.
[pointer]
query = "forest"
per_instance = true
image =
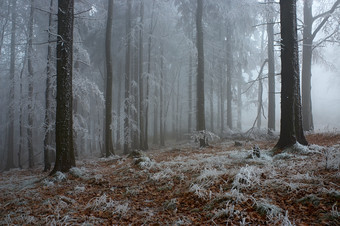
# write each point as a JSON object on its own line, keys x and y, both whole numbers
{"x": 169, "y": 112}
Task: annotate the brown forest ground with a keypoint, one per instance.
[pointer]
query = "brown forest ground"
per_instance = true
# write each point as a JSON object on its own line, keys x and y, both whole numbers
{"x": 184, "y": 185}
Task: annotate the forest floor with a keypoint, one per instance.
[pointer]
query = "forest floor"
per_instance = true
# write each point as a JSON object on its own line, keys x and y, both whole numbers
{"x": 224, "y": 184}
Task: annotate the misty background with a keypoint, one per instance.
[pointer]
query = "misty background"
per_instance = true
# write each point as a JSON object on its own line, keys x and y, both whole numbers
{"x": 169, "y": 50}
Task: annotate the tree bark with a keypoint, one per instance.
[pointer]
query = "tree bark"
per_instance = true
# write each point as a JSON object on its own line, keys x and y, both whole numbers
{"x": 127, "y": 79}
{"x": 47, "y": 120}
{"x": 291, "y": 120}
{"x": 200, "y": 74}
{"x": 161, "y": 100}
{"x": 141, "y": 79}
{"x": 65, "y": 158}
{"x": 271, "y": 72}
{"x": 307, "y": 65}
{"x": 109, "y": 74}
{"x": 230, "y": 66}
{"x": 10, "y": 135}
{"x": 239, "y": 97}
{"x": 30, "y": 88}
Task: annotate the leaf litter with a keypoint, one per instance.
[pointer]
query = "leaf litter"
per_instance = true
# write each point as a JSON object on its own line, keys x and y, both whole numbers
{"x": 218, "y": 185}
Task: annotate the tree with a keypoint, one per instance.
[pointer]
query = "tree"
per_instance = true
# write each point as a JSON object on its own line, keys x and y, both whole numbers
{"x": 127, "y": 79}
{"x": 291, "y": 120}
{"x": 200, "y": 73}
{"x": 109, "y": 71}
{"x": 308, "y": 38}
{"x": 271, "y": 69}
{"x": 30, "y": 88}
{"x": 47, "y": 119}
{"x": 10, "y": 135}
{"x": 141, "y": 83}
{"x": 65, "y": 158}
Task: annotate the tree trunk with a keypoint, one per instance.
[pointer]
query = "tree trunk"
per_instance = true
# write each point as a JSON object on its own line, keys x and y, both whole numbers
{"x": 10, "y": 135}
{"x": 118, "y": 142}
{"x": 212, "y": 103}
{"x": 307, "y": 65}
{"x": 222, "y": 96}
{"x": 109, "y": 74}
{"x": 161, "y": 101}
{"x": 230, "y": 66}
{"x": 200, "y": 74}
{"x": 146, "y": 115}
{"x": 141, "y": 79}
{"x": 271, "y": 72}
{"x": 190, "y": 127}
{"x": 127, "y": 79}
{"x": 30, "y": 88}
{"x": 64, "y": 122}
{"x": 239, "y": 97}
{"x": 47, "y": 121}
{"x": 291, "y": 121}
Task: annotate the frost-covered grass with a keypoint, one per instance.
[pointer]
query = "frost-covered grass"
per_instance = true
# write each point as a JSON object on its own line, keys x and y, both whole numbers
{"x": 223, "y": 183}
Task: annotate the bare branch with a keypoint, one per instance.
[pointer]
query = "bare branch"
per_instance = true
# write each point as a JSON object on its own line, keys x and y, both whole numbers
{"x": 325, "y": 19}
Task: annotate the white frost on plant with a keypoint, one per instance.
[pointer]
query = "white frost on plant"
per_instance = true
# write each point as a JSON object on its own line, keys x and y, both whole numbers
{"x": 198, "y": 190}
{"x": 229, "y": 211}
{"x": 235, "y": 195}
{"x": 248, "y": 176}
{"x": 210, "y": 174}
{"x": 145, "y": 162}
{"x": 332, "y": 158}
{"x": 79, "y": 189}
{"x": 166, "y": 173}
{"x": 78, "y": 172}
{"x": 59, "y": 176}
{"x": 105, "y": 203}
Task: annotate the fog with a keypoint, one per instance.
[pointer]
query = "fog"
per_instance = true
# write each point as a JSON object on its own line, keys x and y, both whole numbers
{"x": 155, "y": 58}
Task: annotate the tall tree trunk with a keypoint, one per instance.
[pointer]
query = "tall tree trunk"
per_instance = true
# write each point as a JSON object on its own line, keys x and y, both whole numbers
{"x": 271, "y": 71}
{"x": 21, "y": 143}
{"x": 308, "y": 37}
{"x": 291, "y": 121}
{"x": 260, "y": 104}
{"x": 212, "y": 102}
{"x": 230, "y": 66}
{"x": 127, "y": 79}
{"x": 10, "y": 148}
{"x": 65, "y": 158}
{"x": 109, "y": 74}
{"x": 119, "y": 103}
{"x": 161, "y": 101}
{"x": 190, "y": 127}
{"x": 30, "y": 88}
{"x": 222, "y": 96}
{"x": 141, "y": 79}
{"x": 47, "y": 120}
{"x": 146, "y": 115}
{"x": 307, "y": 65}
{"x": 239, "y": 97}
{"x": 200, "y": 74}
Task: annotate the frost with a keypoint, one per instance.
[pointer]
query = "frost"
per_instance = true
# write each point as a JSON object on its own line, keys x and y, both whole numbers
{"x": 144, "y": 162}
{"x": 209, "y": 173}
{"x": 59, "y": 176}
{"x": 105, "y": 203}
{"x": 332, "y": 158}
{"x": 78, "y": 172}
{"x": 248, "y": 176}
{"x": 166, "y": 173}
{"x": 228, "y": 212}
{"x": 335, "y": 213}
{"x": 235, "y": 195}
{"x": 79, "y": 189}
{"x": 198, "y": 190}
{"x": 265, "y": 208}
